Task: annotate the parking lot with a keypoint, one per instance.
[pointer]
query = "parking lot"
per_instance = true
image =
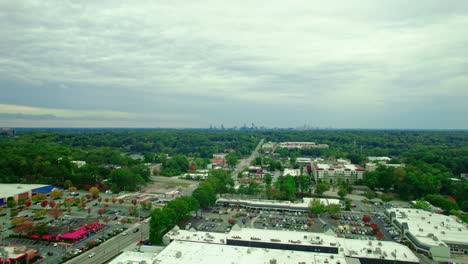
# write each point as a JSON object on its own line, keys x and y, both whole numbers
{"x": 352, "y": 225}
{"x": 51, "y": 252}
{"x": 220, "y": 219}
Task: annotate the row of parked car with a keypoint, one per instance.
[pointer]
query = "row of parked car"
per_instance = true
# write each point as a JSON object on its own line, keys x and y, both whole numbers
{"x": 393, "y": 233}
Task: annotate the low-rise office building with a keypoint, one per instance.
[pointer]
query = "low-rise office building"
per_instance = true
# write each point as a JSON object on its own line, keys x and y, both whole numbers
{"x": 437, "y": 235}
{"x": 332, "y": 173}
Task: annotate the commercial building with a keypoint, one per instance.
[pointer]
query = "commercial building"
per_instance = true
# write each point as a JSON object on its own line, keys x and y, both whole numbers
{"x": 332, "y": 173}
{"x": 437, "y": 235}
{"x": 135, "y": 257}
{"x": 16, "y": 254}
{"x": 385, "y": 159}
{"x": 273, "y": 246}
{"x": 299, "y": 145}
{"x": 196, "y": 253}
{"x": 304, "y": 161}
{"x": 18, "y": 191}
{"x": 371, "y": 166}
{"x": 197, "y": 175}
{"x": 292, "y": 172}
{"x": 275, "y": 205}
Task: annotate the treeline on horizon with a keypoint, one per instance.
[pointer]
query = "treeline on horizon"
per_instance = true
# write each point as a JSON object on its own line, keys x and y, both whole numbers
{"x": 432, "y": 157}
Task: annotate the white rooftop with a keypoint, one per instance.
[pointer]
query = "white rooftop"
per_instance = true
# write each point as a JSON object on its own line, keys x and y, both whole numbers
{"x": 12, "y": 189}
{"x": 292, "y": 172}
{"x": 377, "y": 249}
{"x": 304, "y": 204}
{"x": 432, "y": 228}
{"x": 134, "y": 257}
{"x": 347, "y": 247}
{"x": 190, "y": 252}
{"x": 351, "y": 167}
{"x": 284, "y": 237}
{"x": 379, "y": 158}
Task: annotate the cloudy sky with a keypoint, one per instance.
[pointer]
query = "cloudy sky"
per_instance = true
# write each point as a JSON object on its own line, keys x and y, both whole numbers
{"x": 178, "y": 63}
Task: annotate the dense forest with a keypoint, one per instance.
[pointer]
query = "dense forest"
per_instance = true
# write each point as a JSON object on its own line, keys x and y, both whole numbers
{"x": 45, "y": 156}
{"x": 432, "y": 158}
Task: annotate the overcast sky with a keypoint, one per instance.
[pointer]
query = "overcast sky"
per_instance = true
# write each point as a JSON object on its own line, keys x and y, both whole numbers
{"x": 344, "y": 64}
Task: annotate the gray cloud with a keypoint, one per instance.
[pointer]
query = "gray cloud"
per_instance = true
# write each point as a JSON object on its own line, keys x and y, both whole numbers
{"x": 344, "y": 64}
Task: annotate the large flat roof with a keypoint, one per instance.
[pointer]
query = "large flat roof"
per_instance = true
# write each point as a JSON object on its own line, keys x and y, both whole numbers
{"x": 134, "y": 257}
{"x": 347, "y": 247}
{"x": 11, "y": 189}
{"x": 304, "y": 204}
{"x": 190, "y": 252}
{"x": 432, "y": 228}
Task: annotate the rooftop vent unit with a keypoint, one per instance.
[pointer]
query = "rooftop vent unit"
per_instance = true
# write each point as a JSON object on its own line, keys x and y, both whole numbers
{"x": 178, "y": 254}
{"x": 273, "y": 261}
{"x": 420, "y": 230}
{"x": 436, "y": 227}
{"x": 443, "y": 232}
{"x": 394, "y": 254}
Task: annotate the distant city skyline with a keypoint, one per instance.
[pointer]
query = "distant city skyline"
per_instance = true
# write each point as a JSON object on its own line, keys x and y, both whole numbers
{"x": 389, "y": 64}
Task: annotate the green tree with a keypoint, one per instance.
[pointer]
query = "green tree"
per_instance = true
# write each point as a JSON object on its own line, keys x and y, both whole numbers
{"x": 342, "y": 192}
{"x": 141, "y": 170}
{"x": 321, "y": 187}
{"x": 11, "y": 202}
{"x": 124, "y": 179}
{"x": 317, "y": 207}
{"x": 386, "y": 197}
{"x": 333, "y": 208}
{"x": 370, "y": 195}
{"x": 231, "y": 159}
{"x": 267, "y": 178}
{"x": 421, "y": 204}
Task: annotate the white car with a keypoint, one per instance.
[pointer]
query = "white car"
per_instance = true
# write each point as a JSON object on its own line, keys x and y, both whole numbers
{"x": 124, "y": 233}
{"x": 91, "y": 254}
